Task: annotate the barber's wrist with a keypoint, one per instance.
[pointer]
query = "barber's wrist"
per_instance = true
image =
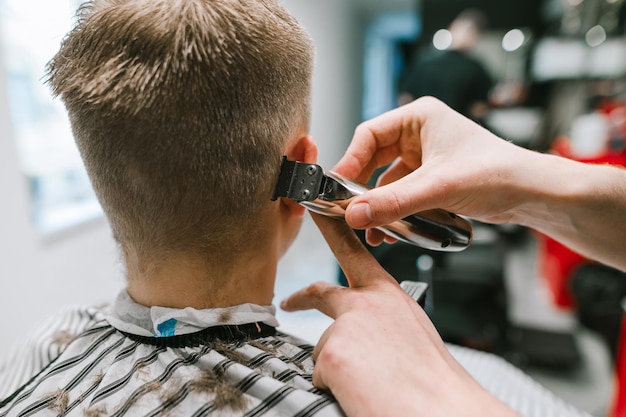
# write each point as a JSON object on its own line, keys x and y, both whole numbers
{"x": 560, "y": 194}
{"x": 547, "y": 186}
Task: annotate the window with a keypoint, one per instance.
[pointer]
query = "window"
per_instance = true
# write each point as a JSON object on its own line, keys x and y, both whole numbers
{"x": 31, "y": 33}
{"x": 384, "y": 60}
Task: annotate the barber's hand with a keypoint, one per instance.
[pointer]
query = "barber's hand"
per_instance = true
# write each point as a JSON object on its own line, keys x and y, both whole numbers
{"x": 382, "y": 356}
{"x": 440, "y": 160}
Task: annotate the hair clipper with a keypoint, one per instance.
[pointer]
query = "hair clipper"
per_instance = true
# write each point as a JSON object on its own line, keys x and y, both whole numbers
{"x": 329, "y": 193}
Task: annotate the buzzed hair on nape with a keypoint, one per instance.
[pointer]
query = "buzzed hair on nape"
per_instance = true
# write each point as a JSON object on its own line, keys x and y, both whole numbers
{"x": 181, "y": 110}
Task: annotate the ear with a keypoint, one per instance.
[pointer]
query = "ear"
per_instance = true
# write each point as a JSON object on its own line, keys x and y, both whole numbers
{"x": 303, "y": 149}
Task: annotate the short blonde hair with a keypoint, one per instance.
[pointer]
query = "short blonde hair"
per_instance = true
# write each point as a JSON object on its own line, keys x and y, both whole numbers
{"x": 181, "y": 110}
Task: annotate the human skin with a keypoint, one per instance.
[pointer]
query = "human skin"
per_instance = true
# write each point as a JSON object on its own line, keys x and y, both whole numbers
{"x": 382, "y": 356}
{"x": 441, "y": 159}
{"x": 250, "y": 275}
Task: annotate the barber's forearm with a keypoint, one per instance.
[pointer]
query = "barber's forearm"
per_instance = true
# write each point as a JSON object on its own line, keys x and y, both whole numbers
{"x": 581, "y": 205}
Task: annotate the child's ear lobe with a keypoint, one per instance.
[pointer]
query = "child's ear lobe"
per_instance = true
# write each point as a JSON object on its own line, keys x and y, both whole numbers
{"x": 303, "y": 149}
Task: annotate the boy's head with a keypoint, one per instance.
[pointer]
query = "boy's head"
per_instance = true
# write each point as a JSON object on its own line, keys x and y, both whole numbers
{"x": 181, "y": 110}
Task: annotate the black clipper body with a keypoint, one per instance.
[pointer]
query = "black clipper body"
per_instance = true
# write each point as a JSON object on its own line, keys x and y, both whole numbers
{"x": 329, "y": 193}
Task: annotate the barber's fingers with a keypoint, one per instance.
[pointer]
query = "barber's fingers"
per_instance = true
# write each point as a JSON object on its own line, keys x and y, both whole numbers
{"x": 398, "y": 169}
{"x": 394, "y": 172}
{"x": 319, "y": 376}
{"x": 382, "y": 205}
{"x": 358, "y": 264}
{"x": 323, "y": 296}
{"x": 374, "y": 237}
{"x": 379, "y": 141}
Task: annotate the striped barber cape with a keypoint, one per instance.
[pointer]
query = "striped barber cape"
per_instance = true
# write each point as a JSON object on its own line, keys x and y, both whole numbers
{"x": 79, "y": 364}
{"x": 138, "y": 361}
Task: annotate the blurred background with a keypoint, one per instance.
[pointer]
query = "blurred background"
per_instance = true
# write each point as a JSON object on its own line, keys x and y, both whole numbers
{"x": 554, "y": 73}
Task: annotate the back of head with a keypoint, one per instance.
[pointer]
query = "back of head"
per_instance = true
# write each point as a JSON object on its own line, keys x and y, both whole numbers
{"x": 181, "y": 110}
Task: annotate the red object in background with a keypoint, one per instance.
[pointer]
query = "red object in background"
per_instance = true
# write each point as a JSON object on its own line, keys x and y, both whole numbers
{"x": 557, "y": 262}
{"x": 612, "y": 157}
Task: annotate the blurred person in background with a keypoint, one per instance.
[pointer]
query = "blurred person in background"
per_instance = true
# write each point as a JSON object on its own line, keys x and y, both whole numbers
{"x": 453, "y": 75}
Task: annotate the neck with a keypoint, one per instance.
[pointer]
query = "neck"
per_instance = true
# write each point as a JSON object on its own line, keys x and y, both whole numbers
{"x": 186, "y": 281}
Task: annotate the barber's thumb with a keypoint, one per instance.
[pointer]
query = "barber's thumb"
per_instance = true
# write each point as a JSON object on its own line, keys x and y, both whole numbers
{"x": 383, "y": 205}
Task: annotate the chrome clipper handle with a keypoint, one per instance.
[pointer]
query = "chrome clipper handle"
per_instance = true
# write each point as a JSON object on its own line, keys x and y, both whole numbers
{"x": 329, "y": 194}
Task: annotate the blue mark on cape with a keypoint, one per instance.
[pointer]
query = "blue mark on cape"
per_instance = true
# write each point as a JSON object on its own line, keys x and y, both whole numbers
{"x": 167, "y": 328}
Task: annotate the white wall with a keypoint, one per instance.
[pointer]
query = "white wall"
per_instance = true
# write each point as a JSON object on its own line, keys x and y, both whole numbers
{"x": 337, "y": 75}
{"x": 38, "y": 275}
